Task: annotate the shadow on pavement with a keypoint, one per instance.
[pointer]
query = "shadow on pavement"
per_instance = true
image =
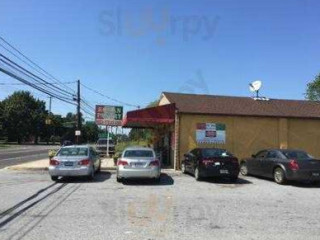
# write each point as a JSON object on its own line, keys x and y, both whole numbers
{"x": 226, "y": 181}
{"x": 302, "y": 184}
{"x": 165, "y": 180}
{"x": 222, "y": 180}
{"x": 99, "y": 177}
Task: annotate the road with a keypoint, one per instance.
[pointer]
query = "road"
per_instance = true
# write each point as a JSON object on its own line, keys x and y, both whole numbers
{"x": 33, "y": 207}
{"x": 20, "y": 154}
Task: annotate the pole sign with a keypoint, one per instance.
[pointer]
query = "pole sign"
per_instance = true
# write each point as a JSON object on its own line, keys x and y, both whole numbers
{"x": 109, "y": 115}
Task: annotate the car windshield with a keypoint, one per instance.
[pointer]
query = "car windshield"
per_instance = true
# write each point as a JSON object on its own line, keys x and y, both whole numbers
{"x": 138, "y": 153}
{"x": 105, "y": 142}
{"x": 297, "y": 155}
{"x": 211, "y": 152}
{"x": 76, "y": 151}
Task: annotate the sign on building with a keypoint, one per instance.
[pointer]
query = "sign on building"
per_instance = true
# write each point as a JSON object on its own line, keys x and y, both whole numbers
{"x": 109, "y": 115}
{"x": 211, "y": 133}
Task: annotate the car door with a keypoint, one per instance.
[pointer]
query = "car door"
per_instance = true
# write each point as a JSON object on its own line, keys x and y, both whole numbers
{"x": 267, "y": 163}
{"x": 256, "y": 162}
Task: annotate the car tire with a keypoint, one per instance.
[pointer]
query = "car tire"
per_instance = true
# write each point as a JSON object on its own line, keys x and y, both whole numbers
{"x": 244, "y": 169}
{"x": 183, "y": 168}
{"x": 92, "y": 174}
{"x": 54, "y": 178}
{"x": 119, "y": 180}
{"x": 197, "y": 174}
{"x": 279, "y": 176}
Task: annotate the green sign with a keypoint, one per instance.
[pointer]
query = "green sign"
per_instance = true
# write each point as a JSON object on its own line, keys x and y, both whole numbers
{"x": 118, "y": 113}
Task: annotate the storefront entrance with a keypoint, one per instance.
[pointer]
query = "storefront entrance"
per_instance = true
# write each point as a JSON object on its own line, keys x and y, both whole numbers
{"x": 160, "y": 120}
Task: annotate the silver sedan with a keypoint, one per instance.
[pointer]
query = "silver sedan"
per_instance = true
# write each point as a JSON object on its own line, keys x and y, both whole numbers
{"x": 138, "y": 162}
{"x": 76, "y": 160}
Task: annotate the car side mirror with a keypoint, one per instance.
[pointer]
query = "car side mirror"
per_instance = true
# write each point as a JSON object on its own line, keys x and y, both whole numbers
{"x": 253, "y": 155}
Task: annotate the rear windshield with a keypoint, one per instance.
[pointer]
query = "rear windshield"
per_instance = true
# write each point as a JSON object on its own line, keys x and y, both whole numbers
{"x": 104, "y": 142}
{"x": 207, "y": 153}
{"x": 138, "y": 153}
{"x": 297, "y": 155}
{"x": 73, "y": 152}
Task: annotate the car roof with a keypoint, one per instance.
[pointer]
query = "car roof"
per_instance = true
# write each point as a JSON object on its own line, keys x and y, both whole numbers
{"x": 73, "y": 146}
{"x": 278, "y": 149}
{"x": 138, "y": 148}
{"x": 203, "y": 148}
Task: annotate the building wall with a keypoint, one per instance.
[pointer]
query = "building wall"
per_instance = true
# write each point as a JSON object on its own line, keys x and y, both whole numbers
{"x": 247, "y": 135}
{"x": 304, "y": 134}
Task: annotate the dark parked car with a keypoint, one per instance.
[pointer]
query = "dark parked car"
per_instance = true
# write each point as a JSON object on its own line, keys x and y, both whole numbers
{"x": 210, "y": 162}
{"x": 282, "y": 165}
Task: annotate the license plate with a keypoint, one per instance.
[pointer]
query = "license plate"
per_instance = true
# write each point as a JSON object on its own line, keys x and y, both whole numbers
{"x": 316, "y": 174}
{"x": 137, "y": 164}
{"x": 68, "y": 164}
{"x": 224, "y": 171}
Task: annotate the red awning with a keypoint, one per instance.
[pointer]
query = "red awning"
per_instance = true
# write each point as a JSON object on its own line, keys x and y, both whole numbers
{"x": 149, "y": 117}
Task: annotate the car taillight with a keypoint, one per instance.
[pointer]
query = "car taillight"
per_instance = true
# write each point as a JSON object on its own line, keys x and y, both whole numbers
{"x": 293, "y": 165}
{"x": 208, "y": 161}
{"x": 155, "y": 163}
{"x": 54, "y": 162}
{"x": 122, "y": 162}
{"x": 84, "y": 162}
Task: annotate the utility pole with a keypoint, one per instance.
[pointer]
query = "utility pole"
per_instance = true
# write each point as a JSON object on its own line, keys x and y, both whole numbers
{"x": 78, "y": 112}
{"x": 50, "y": 101}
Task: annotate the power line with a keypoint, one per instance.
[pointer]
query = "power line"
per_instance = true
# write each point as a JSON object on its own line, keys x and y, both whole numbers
{"x": 27, "y": 58}
{"x": 51, "y": 83}
{"x": 87, "y": 104}
{"x": 34, "y": 86}
{"x": 110, "y": 98}
{"x": 35, "y": 77}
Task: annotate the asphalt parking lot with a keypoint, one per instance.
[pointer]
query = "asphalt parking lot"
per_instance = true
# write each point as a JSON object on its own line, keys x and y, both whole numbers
{"x": 34, "y": 207}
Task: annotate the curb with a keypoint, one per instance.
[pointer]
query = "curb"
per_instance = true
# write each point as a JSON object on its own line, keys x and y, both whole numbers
{"x": 46, "y": 168}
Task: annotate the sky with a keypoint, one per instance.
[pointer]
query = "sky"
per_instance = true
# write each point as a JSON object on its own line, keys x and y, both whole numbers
{"x": 133, "y": 50}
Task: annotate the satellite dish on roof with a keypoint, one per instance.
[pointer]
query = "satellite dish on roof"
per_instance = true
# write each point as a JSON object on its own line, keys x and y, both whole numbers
{"x": 255, "y": 87}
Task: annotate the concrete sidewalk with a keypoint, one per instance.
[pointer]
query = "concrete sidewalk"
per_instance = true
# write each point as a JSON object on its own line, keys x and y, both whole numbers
{"x": 43, "y": 164}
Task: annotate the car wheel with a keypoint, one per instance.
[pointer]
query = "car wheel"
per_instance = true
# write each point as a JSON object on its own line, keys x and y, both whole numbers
{"x": 279, "y": 176}
{"x": 197, "y": 174}
{"x": 119, "y": 180}
{"x": 244, "y": 169}
{"x": 54, "y": 178}
{"x": 92, "y": 173}
{"x": 183, "y": 168}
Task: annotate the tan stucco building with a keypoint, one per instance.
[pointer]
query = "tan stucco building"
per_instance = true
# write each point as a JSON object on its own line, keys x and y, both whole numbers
{"x": 241, "y": 125}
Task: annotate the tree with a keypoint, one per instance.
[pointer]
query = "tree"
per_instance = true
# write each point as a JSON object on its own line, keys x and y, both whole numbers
{"x": 313, "y": 89}
{"x": 90, "y": 132}
{"x": 23, "y": 116}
